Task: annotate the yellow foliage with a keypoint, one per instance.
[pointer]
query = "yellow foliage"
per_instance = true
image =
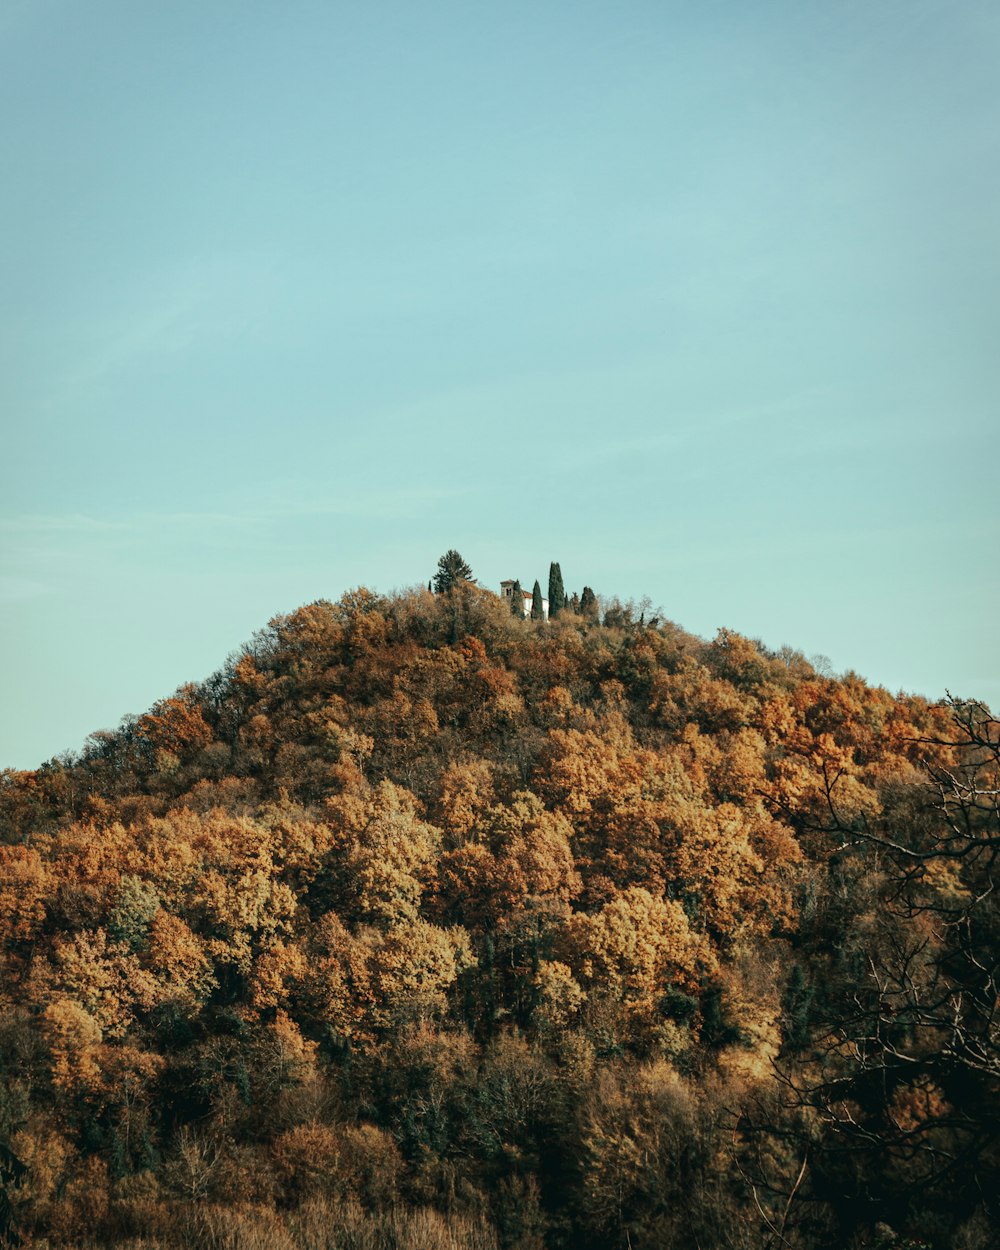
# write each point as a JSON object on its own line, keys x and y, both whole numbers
{"x": 559, "y": 996}
{"x": 412, "y": 968}
{"x": 105, "y": 978}
{"x": 277, "y": 974}
{"x": 45, "y": 1153}
{"x": 73, "y": 1036}
{"x": 178, "y": 959}
{"x": 382, "y": 853}
{"x": 466, "y": 791}
{"x": 636, "y": 948}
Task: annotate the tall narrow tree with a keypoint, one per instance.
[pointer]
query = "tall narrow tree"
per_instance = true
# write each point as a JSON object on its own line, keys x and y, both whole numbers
{"x": 557, "y": 592}
{"x": 517, "y": 601}
{"x": 588, "y": 604}
{"x": 537, "y": 608}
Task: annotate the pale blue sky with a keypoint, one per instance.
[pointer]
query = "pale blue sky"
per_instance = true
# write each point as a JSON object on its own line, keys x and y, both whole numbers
{"x": 699, "y": 299}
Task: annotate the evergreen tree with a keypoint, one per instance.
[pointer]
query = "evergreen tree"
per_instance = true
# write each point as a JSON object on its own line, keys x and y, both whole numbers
{"x": 574, "y": 603}
{"x": 451, "y": 569}
{"x": 517, "y": 601}
{"x": 537, "y": 610}
{"x": 796, "y": 1005}
{"x": 557, "y": 592}
{"x": 588, "y": 604}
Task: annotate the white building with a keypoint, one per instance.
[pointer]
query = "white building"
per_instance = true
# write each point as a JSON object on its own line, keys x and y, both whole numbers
{"x": 507, "y": 592}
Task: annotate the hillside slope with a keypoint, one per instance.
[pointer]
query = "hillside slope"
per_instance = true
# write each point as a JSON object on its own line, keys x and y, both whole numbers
{"x": 419, "y": 925}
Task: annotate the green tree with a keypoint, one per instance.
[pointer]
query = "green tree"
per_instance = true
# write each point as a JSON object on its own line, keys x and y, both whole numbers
{"x": 517, "y": 601}
{"x": 451, "y": 569}
{"x": 537, "y": 610}
{"x": 588, "y": 604}
{"x": 557, "y": 592}
{"x": 135, "y": 906}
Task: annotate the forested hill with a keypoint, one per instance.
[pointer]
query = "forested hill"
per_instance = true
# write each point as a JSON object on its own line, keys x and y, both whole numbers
{"x": 421, "y": 926}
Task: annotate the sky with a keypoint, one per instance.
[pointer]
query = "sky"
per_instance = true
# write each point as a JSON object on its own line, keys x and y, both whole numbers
{"x": 700, "y": 300}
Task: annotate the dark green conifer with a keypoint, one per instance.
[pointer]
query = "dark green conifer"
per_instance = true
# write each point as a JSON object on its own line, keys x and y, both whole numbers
{"x": 797, "y": 1004}
{"x": 451, "y": 569}
{"x": 517, "y": 601}
{"x": 537, "y": 610}
{"x": 557, "y": 592}
{"x": 588, "y": 604}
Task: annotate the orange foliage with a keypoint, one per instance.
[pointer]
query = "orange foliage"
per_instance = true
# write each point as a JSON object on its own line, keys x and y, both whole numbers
{"x": 26, "y": 882}
{"x": 383, "y": 901}
{"x": 176, "y": 725}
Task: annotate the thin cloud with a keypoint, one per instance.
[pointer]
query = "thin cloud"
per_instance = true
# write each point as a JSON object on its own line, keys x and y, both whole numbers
{"x": 202, "y": 301}
{"x": 367, "y": 505}
{"x": 17, "y": 588}
{"x": 387, "y": 505}
{"x": 689, "y": 428}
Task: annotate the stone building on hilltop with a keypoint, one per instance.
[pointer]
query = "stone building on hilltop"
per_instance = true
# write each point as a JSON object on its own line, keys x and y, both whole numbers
{"x": 507, "y": 592}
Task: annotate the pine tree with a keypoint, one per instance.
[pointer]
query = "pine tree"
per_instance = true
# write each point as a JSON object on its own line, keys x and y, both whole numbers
{"x": 557, "y": 592}
{"x": 517, "y": 601}
{"x": 588, "y": 604}
{"x": 451, "y": 569}
{"x": 537, "y": 610}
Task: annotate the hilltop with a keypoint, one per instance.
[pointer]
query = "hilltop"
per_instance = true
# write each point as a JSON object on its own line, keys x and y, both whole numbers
{"x": 420, "y": 924}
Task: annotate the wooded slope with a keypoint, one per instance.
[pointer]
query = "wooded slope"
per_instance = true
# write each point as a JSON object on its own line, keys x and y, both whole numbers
{"x": 419, "y": 925}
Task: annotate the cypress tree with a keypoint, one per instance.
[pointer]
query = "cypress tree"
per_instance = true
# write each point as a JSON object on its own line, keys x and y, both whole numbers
{"x": 537, "y": 611}
{"x": 517, "y": 601}
{"x": 557, "y": 592}
{"x": 588, "y": 604}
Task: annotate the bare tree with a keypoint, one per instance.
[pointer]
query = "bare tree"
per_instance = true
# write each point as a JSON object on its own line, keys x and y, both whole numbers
{"x": 890, "y": 1095}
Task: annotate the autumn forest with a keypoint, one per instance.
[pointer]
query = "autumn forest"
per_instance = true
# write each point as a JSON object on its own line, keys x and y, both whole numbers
{"x": 420, "y": 926}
